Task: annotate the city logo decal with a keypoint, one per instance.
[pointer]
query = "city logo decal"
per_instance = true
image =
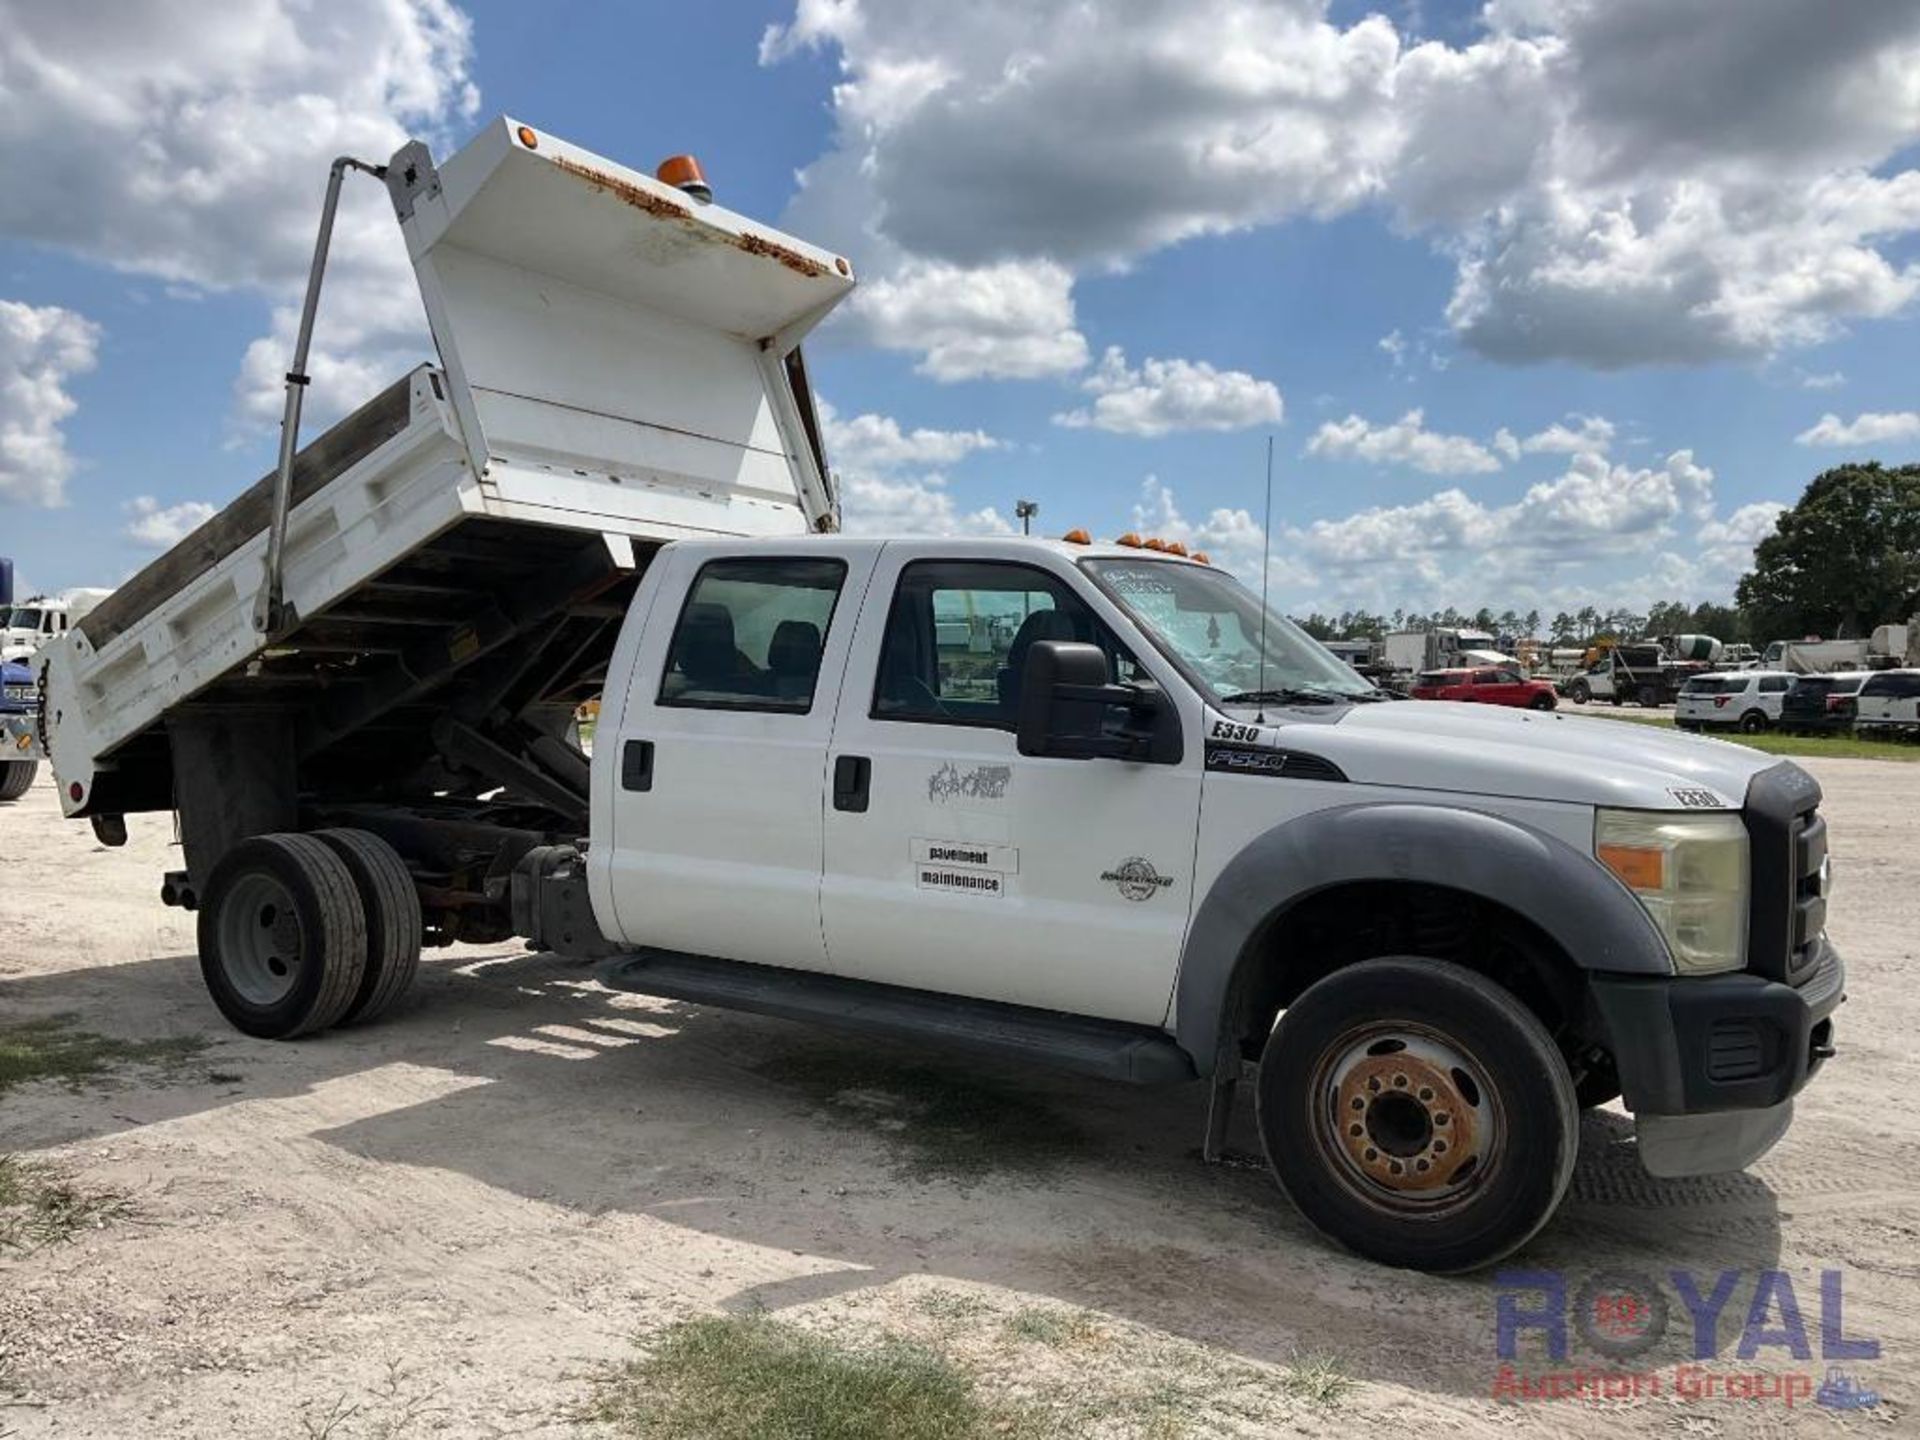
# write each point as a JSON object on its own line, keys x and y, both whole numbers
{"x": 1136, "y": 878}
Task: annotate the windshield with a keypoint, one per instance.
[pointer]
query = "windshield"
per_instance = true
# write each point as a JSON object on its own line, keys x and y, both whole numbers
{"x": 23, "y": 619}
{"x": 1208, "y": 624}
{"x": 1712, "y": 685}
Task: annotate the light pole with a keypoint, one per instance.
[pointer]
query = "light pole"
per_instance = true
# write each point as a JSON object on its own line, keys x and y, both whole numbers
{"x": 1024, "y": 511}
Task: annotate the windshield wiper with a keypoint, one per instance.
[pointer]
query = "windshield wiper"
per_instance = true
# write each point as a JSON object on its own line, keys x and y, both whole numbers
{"x": 1288, "y": 696}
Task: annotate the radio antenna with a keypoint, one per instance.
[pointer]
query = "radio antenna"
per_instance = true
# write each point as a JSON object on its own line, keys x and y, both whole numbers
{"x": 1266, "y": 564}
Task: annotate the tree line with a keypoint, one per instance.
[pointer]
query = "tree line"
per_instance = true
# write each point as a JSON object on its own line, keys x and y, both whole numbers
{"x": 1844, "y": 559}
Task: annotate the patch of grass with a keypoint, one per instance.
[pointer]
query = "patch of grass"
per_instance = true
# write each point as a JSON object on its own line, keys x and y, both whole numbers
{"x": 756, "y": 1378}
{"x": 40, "y": 1206}
{"x": 945, "y": 1123}
{"x": 951, "y": 1305}
{"x": 51, "y": 1049}
{"x": 1045, "y": 1325}
{"x": 1774, "y": 742}
{"x": 1317, "y": 1380}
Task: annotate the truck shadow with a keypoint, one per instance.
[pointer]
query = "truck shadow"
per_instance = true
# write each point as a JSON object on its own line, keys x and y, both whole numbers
{"x": 874, "y": 1161}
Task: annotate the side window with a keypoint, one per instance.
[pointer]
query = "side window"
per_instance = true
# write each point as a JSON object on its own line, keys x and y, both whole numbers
{"x": 1488, "y": 677}
{"x": 958, "y": 634}
{"x": 1773, "y": 684}
{"x": 750, "y": 635}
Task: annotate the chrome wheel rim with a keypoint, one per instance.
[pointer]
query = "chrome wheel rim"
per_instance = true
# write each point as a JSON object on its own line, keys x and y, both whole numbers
{"x": 260, "y": 940}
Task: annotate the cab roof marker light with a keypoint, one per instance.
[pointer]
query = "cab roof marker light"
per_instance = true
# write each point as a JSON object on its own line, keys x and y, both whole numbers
{"x": 1077, "y": 536}
{"x": 1131, "y": 540}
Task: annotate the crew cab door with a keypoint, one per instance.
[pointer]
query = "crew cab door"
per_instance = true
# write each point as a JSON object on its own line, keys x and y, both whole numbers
{"x": 955, "y": 863}
{"x": 716, "y": 843}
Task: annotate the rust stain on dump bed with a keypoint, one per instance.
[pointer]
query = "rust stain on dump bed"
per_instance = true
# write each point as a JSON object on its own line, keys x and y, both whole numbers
{"x": 626, "y": 190}
{"x": 663, "y": 209}
{"x": 792, "y": 259}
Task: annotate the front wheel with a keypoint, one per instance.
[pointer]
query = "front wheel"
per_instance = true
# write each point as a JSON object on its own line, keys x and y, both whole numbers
{"x": 1540, "y": 702}
{"x": 1579, "y": 693}
{"x": 1418, "y": 1113}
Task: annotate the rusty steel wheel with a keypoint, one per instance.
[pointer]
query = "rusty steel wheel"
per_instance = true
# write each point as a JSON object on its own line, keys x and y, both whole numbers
{"x": 1418, "y": 1113}
{"x": 1413, "y": 1117}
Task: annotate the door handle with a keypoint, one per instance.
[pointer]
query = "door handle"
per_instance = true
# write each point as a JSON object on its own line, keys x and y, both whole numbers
{"x": 852, "y": 780}
{"x": 636, "y": 765}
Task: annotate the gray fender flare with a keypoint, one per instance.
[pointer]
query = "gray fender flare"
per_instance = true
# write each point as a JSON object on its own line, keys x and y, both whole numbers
{"x": 1566, "y": 893}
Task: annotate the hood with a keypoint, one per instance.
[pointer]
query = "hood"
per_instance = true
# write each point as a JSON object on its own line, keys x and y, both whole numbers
{"x": 1523, "y": 754}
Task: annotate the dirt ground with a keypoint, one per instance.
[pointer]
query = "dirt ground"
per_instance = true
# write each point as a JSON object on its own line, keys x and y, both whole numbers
{"x": 448, "y": 1223}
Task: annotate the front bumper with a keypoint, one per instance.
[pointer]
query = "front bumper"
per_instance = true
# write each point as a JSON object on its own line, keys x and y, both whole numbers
{"x": 1709, "y": 1064}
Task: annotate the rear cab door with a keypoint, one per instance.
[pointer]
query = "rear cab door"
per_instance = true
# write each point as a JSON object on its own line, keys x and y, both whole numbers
{"x": 1772, "y": 693}
{"x": 719, "y": 778}
{"x": 955, "y": 863}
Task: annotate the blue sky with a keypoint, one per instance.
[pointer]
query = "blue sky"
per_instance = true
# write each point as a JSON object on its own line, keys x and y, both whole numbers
{"x": 1291, "y": 219}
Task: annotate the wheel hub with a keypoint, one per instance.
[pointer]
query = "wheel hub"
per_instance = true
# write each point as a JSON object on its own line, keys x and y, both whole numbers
{"x": 1405, "y": 1121}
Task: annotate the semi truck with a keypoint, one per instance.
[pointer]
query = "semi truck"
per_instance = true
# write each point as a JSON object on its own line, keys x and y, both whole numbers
{"x": 39, "y": 619}
{"x": 1123, "y": 821}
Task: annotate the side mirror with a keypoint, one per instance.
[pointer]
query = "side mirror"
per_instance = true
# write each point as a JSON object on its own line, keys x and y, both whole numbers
{"x": 1065, "y": 702}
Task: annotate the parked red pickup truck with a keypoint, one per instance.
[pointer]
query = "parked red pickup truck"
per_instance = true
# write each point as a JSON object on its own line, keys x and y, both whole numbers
{"x": 1484, "y": 687}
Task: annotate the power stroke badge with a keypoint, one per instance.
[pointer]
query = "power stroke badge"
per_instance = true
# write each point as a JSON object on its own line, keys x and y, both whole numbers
{"x": 1136, "y": 878}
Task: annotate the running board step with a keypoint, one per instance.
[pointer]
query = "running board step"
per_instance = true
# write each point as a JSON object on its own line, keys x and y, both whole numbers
{"x": 1136, "y": 1054}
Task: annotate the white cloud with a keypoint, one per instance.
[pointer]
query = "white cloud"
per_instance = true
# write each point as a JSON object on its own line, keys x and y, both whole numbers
{"x": 1453, "y": 548}
{"x": 161, "y": 527}
{"x": 888, "y": 485}
{"x": 1592, "y": 435}
{"x": 1620, "y": 183}
{"x": 1230, "y": 538}
{"x": 1726, "y": 546}
{"x": 876, "y": 442}
{"x": 1163, "y": 396}
{"x": 1869, "y": 428}
{"x": 1405, "y": 442}
{"x": 912, "y": 505}
{"x": 1011, "y": 321}
{"x": 1819, "y": 380}
{"x": 42, "y": 347}
{"x": 190, "y": 143}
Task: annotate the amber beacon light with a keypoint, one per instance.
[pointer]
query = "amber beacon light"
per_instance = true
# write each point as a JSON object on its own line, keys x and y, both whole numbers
{"x": 683, "y": 172}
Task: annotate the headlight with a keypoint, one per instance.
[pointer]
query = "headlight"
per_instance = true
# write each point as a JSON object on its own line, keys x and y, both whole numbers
{"x": 1690, "y": 871}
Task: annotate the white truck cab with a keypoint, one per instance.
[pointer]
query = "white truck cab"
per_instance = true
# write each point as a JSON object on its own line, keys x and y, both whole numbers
{"x": 41, "y": 619}
{"x": 1076, "y": 804}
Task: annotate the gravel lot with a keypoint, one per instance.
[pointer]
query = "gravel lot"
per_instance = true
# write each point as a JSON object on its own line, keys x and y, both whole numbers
{"x": 445, "y": 1224}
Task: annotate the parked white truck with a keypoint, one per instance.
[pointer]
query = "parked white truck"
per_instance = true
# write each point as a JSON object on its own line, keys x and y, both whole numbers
{"x": 1131, "y": 825}
{"x": 41, "y": 619}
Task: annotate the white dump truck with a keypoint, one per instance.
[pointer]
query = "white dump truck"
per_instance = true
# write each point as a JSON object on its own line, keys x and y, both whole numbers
{"x": 1082, "y": 804}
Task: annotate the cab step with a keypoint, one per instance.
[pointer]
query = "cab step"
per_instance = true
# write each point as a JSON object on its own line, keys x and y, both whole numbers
{"x": 1110, "y": 1049}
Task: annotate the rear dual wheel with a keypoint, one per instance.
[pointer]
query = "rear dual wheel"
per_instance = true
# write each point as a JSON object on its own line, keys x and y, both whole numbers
{"x": 1418, "y": 1113}
{"x": 16, "y": 778}
{"x": 301, "y": 932}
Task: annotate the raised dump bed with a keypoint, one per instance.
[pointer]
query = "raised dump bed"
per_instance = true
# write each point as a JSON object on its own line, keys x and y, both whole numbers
{"x": 618, "y": 366}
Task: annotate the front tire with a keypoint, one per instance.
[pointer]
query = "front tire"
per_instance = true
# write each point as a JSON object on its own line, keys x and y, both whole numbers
{"x": 1540, "y": 702}
{"x": 16, "y": 778}
{"x": 283, "y": 936}
{"x": 1579, "y": 693}
{"x": 1418, "y": 1113}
